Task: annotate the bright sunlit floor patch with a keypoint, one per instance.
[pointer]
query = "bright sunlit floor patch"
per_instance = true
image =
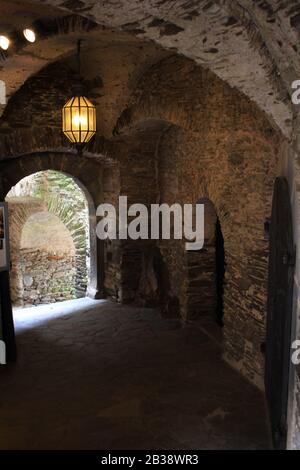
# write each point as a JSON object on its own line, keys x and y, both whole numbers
{"x": 29, "y": 317}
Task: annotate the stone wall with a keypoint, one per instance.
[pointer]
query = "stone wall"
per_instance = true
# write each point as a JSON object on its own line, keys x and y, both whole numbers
{"x": 177, "y": 145}
{"x": 124, "y": 258}
{"x": 212, "y": 33}
{"x": 19, "y": 211}
{"x": 42, "y": 254}
{"x": 88, "y": 171}
{"x": 231, "y": 171}
{"x": 230, "y": 157}
{"x": 294, "y": 412}
{"x": 181, "y": 138}
{"x": 46, "y": 277}
{"x": 228, "y": 151}
{"x": 112, "y": 249}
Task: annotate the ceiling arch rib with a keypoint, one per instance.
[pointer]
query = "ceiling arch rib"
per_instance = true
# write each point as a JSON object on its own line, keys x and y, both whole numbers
{"x": 224, "y": 38}
{"x": 56, "y": 39}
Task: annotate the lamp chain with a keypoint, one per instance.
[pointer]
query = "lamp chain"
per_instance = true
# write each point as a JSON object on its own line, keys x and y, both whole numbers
{"x": 78, "y": 56}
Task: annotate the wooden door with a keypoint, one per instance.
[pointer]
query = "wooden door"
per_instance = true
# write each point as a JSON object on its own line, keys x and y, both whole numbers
{"x": 279, "y": 318}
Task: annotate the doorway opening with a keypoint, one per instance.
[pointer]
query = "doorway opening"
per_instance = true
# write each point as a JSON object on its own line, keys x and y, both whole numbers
{"x": 49, "y": 239}
{"x": 206, "y": 271}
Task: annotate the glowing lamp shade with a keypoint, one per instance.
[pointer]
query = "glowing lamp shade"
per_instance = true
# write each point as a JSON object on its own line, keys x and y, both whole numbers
{"x": 79, "y": 120}
{"x": 29, "y": 35}
{"x": 4, "y": 43}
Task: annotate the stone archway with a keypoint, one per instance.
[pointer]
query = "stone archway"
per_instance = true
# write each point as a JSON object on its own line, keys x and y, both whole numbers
{"x": 88, "y": 176}
{"x": 65, "y": 207}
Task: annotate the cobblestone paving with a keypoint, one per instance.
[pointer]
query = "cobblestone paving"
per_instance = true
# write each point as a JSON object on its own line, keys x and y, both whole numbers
{"x": 96, "y": 375}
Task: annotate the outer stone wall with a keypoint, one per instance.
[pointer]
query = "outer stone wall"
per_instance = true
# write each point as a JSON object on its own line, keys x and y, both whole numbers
{"x": 46, "y": 277}
{"x": 43, "y": 261}
{"x": 19, "y": 210}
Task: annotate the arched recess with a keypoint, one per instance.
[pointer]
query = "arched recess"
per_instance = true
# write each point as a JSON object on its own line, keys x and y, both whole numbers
{"x": 195, "y": 108}
{"x": 87, "y": 174}
{"x": 206, "y": 269}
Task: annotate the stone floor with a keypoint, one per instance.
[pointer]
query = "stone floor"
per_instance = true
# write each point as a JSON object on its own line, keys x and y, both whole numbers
{"x": 96, "y": 375}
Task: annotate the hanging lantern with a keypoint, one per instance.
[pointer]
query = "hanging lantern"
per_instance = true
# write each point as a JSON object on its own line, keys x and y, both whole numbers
{"x": 79, "y": 120}
{"x": 79, "y": 114}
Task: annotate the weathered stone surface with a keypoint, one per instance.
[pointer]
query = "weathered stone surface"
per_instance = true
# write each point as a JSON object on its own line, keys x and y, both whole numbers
{"x": 52, "y": 277}
{"x": 88, "y": 172}
{"x": 68, "y": 235}
{"x": 157, "y": 161}
{"x": 168, "y": 373}
{"x": 205, "y": 138}
{"x": 262, "y": 71}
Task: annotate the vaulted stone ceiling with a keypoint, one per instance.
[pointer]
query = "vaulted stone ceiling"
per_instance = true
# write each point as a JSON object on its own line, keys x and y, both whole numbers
{"x": 23, "y": 60}
{"x": 252, "y": 45}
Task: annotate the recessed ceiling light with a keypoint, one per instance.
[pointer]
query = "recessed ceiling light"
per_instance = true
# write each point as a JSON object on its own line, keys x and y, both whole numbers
{"x": 29, "y": 34}
{"x": 4, "y": 43}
